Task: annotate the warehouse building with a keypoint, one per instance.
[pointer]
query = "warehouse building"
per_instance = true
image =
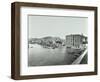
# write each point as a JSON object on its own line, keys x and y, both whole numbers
{"x": 77, "y": 41}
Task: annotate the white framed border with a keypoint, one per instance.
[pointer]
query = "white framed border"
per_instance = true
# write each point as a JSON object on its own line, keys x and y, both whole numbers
{"x": 25, "y": 70}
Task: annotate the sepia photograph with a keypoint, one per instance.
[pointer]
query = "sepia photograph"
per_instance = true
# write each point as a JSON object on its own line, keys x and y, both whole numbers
{"x": 57, "y": 40}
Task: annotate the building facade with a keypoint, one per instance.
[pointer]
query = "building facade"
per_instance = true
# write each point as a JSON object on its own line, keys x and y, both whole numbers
{"x": 76, "y": 41}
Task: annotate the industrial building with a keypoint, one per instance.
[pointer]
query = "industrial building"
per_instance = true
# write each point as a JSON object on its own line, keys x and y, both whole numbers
{"x": 77, "y": 41}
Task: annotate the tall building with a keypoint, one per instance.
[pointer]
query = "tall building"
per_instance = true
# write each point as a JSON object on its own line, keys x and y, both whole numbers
{"x": 76, "y": 41}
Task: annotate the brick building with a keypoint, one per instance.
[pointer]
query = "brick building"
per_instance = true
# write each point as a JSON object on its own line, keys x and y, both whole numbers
{"x": 76, "y": 41}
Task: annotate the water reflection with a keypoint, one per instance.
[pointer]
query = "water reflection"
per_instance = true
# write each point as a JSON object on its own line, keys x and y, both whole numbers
{"x": 39, "y": 56}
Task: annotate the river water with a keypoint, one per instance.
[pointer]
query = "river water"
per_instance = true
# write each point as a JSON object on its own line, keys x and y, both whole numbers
{"x": 39, "y": 56}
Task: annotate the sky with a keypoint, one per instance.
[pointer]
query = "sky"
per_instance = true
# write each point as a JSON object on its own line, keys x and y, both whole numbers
{"x": 55, "y": 26}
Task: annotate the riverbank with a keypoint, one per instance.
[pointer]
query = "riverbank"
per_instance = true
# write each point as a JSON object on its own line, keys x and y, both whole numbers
{"x": 39, "y": 56}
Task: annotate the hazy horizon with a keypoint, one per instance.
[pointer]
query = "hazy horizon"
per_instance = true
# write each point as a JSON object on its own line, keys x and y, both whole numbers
{"x": 42, "y": 26}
